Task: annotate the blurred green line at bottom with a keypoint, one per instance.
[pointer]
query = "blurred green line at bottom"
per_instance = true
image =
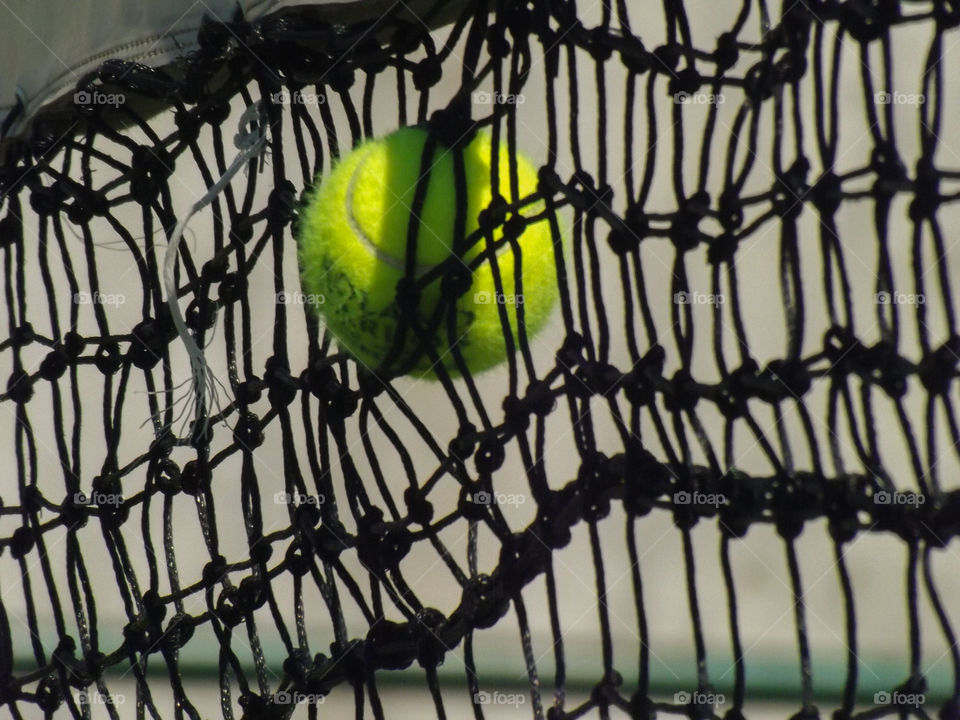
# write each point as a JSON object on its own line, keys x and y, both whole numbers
{"x": 771, "y": 678}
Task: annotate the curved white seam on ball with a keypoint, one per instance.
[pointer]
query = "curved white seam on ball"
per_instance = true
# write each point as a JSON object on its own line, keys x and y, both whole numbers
{"x": 420, "y": 269}
{"x": 385, "y": 257}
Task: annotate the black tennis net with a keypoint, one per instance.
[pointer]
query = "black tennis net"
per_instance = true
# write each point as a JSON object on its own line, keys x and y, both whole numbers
{"x": 135, "y": 527}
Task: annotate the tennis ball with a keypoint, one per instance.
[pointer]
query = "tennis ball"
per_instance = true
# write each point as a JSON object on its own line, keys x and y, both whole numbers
{"x": 352, "y": 240}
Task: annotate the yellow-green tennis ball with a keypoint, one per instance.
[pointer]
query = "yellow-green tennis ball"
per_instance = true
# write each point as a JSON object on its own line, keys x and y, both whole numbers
{"x": 352, "y": 239}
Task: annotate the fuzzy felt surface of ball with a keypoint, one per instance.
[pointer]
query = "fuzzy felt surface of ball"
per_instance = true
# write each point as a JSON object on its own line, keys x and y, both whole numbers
{"x": 353, "y": 245}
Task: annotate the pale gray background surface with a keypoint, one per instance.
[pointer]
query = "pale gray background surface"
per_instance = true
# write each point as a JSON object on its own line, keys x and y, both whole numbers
{"x": 877, "y": 563}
